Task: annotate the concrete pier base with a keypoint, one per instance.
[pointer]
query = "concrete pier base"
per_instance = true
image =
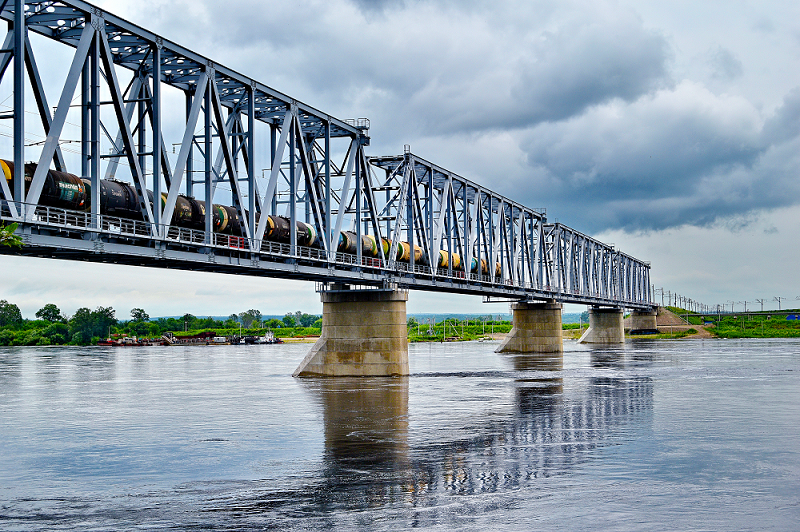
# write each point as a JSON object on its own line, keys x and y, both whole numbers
{"x": 537, "y": 329}
{"x": 605, "y": 327}
{"x": 644, "y": 322}
{"x": 363, "y": 334}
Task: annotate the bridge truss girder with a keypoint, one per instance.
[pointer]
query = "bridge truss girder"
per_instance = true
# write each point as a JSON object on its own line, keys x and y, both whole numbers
{"x": 316, "y": 172}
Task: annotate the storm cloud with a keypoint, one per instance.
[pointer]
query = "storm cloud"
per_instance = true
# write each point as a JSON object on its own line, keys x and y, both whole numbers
{"x": 682, "y": 156}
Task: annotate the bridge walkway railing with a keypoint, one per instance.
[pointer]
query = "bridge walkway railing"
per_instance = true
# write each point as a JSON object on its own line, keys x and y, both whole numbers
{"x": 113, "y": 226}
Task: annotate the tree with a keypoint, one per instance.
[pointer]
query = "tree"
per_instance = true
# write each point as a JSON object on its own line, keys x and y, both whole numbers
{"x": 188, "y": 321}
{"x": 308, "y": 320}
{"x": 91, "y": 323}
{"x": 139, "y": 314}
{"x": 9, "y": 314}
{"x": 104, "y": 318}
{"x": 247, "y": 318}
{"x": 50, "y": 312}
{"x": 8, "y": 238}
{"x": 288, "y": 320}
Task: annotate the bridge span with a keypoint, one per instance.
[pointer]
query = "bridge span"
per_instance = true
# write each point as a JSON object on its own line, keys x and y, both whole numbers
{"x": 261, "y": 184}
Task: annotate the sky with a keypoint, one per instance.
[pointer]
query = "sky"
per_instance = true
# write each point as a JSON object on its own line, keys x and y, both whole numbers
{"x": 670, "y": 129}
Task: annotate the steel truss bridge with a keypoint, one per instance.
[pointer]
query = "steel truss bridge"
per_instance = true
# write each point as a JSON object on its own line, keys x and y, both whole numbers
{"x": 313, "y": 169}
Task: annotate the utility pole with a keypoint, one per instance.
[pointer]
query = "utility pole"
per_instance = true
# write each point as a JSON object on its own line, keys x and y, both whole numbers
{"x": 762, "y": 303}
{"x": 731, "y": 302}
{"x": 779, "y": 299}
{"x": 745, "y": 305}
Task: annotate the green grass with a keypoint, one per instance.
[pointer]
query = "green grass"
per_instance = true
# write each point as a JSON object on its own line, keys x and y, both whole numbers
{"x": 756, "y": 327}
{"x": 454, "y": 331}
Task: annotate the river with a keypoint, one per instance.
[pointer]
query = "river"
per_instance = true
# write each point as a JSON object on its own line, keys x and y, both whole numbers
{"x": 652, "y": 435}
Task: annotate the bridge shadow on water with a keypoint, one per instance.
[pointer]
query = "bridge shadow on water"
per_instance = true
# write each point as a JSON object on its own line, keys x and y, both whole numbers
{"x": 380, "y": 459}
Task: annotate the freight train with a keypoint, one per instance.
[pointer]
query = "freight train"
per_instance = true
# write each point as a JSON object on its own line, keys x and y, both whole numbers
{"x": 120, "y": 199}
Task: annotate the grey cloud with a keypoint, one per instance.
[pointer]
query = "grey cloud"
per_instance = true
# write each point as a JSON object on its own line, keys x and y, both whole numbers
{"x": 377, "y": 6}
{"x": 587, "y": 63}
{"x": 683, "y": 156}
{"x": 764, "y": 25}
{"x": 440, "y": 67}
{"x": 725, "y": 65}
{"x": 785, "y": 123}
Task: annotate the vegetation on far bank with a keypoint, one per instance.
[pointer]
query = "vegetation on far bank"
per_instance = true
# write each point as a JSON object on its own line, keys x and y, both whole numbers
{"x": 746, "y": 324}
{"x": 455, "y": 330}
{"x": 86, "y": 327}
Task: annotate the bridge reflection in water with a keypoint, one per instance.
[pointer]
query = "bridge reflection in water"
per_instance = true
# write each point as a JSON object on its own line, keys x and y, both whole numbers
{"x": 375, "y": 459}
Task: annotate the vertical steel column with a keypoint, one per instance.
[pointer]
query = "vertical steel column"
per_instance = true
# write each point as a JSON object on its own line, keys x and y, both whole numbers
{"x": 86, "y": 139}
{"x": 530, "y": 250}
{"x": 412, "y": 182}
{"x": 491, "y": 258}
{"x": 94, "y": 107}
{"x": 157, "y": 141}
{"x": 431, "y": 229}
{"x": 189, "y": 160}
{"x": 327, "y": 163}
{"x": 478, "y": 230}
{"x": 542, "y": 255}
{"x": 557, "y": 257}
{"x": 234, "y": 140}
{"x": 292, "y": 187}
{"x": 467, "y": 251}
{"x": 388, "y": 229}
{"x": 357, "y": 197}
{"x": 449, "y": 227}
{"x": 273, "y": 143}
{"x": 207, "y": 149}
{"x": 251, "y": 159}
{"x": 307, "y": 144}
{"x": 141, "y": 137}
{"x": 19, "y": 102}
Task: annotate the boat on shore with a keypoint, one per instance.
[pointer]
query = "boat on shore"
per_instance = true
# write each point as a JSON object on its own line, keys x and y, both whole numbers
{"x": 204, "y": 338}
{"x": 268, "y": 338}
{"x": 132, "y": 341}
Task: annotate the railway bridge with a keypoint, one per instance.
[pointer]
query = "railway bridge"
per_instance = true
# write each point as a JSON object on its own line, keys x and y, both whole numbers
{"x": 184, "y": 163}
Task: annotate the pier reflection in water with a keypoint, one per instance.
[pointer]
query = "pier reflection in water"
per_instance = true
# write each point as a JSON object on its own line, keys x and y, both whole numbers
{"x": 542, "y": 390}
{"x": 366, "y": 439}
{"x": 503, "y": 444}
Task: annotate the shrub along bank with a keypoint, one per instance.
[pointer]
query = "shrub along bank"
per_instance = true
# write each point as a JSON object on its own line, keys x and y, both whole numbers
{"x": 87, "y": 327}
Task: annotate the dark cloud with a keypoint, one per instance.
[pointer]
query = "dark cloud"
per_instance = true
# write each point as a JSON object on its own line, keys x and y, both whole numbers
{"x": 587, "y": 63}
{"x": 683, "y": 156}
{"x": 785, "y": 123}
{"x": 438, "y": 67}
{"x": 377, "y": 6}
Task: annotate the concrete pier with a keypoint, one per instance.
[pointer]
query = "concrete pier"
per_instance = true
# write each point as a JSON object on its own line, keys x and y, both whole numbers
{"x": 363, "y": 334}
{"x": 644, "y": 322}
{"x": 537, "y": 329}
{"x": 605, "y": 326}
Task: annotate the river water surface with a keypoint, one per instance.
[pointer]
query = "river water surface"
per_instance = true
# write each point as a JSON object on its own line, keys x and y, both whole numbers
{"x": 655, "y": 435}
